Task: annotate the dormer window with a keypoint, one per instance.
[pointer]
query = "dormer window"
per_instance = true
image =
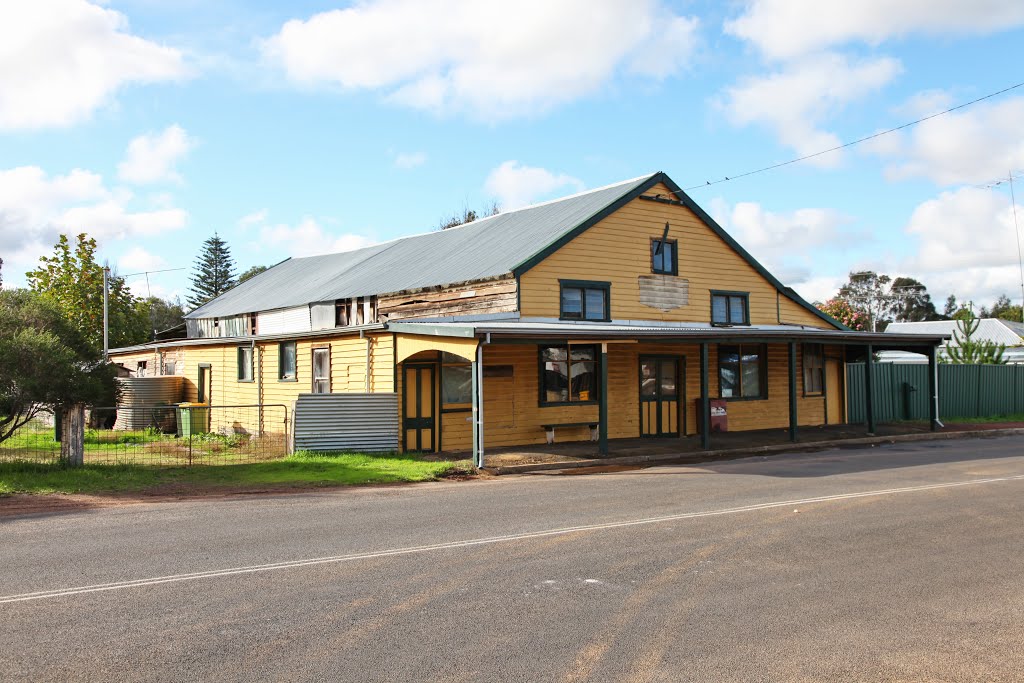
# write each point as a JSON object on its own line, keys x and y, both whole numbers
{"x": 730, "y": 308}
{"x": 664, "y": 257}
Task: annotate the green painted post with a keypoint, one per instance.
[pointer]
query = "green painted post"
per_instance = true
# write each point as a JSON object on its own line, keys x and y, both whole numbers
{"x": 705, "y": 414}
{"x": 869, "y": 385}
{"x": 792, "y": 392}
{"x": 602, "y": 427}
{"x": 933, "y": 391}
{"x": 475, "y": 415}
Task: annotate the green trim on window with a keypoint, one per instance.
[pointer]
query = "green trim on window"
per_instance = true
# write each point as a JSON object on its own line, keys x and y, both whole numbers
{"x": 762, "y": 371}
{"x": 675, "y": 257}
{"x": 804, "y": 355}
{"x": 281, "y": 377}
{"x": 584, "y": 285}
{"x": 542, "y": 389}
{"x": 727, "y": 294}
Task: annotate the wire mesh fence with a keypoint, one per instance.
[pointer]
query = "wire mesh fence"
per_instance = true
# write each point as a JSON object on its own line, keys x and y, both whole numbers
{"x": 167, "y": 435}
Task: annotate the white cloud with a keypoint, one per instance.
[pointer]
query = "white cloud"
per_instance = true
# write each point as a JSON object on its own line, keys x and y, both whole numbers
{"x": 60, "y": 60}
{"x": 410, "y": 160}
{"x": 966, "y": 228}
{"x": 794, "y": 101}
{"x": 783, "y": 29}
{"x": 976, "y": 145}
{"x": 35, "y": 208}
{"x": 489, "y": 59}
{"x": 517, "y": 185}
{"x": 308, "y": 238}
{"x": 139, "y": 260}
{"x": 151, "y": 158}
{"x": 255, "y": 218}
{"x": 770, "y": 237}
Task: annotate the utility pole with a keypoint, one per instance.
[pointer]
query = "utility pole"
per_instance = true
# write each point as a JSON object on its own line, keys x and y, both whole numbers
{"x": 106, "y": 317}
{"x": 1016, "y": 231}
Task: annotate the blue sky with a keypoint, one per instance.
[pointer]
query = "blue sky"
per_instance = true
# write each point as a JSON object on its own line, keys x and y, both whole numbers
{"x": 325, "y": 126}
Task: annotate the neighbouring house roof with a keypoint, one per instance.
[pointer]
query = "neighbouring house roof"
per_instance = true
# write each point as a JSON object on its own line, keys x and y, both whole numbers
{"x": 995, "y": 330}
{"x": 486, "y": 248}
{"x": 508, "y": 243}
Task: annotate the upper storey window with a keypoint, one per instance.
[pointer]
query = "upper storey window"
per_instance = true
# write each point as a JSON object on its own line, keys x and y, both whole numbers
{"x": 664, "y": 257}
{"x": 730, "y": 308}
{"x": 585, "y": 300}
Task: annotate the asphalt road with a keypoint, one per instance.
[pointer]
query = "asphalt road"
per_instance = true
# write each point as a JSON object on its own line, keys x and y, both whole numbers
{"x": 902, "y": 563}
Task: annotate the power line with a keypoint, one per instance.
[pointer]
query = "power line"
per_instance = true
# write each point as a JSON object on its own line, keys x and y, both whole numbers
{"x": 854, "y": 142}
{"x": 148, "y": 272}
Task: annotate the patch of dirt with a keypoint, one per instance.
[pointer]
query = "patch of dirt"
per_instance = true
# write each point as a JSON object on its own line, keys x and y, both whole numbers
{"x": 20, "y": 504}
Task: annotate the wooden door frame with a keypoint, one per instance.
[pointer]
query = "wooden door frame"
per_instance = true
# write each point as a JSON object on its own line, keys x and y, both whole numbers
{"x": 680, "y": 361}
{"x": 204, "y": 390}
{"x": 312, "y": 368}
{"x": 841, "y": 374}
{"x": 435, "y": 430}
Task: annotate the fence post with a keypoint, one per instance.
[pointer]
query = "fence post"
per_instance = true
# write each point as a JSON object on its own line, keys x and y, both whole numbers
{"x": 191, "y": 431}
{"x": 72, "y": 445}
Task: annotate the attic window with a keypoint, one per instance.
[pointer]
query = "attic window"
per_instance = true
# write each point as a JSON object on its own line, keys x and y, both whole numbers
{"x": 664, "y": 257}
{"x": 582, "y": 300}
{"x": 360, "y": 310}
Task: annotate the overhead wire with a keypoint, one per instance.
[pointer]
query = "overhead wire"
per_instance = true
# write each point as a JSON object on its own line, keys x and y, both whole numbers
{"x": 858, "y": 141}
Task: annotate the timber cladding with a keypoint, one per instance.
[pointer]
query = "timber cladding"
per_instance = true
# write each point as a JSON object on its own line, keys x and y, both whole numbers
{"x": 617, "y": 250}
{"x": 513, "y": 415}
{"x": 499, "y": 295}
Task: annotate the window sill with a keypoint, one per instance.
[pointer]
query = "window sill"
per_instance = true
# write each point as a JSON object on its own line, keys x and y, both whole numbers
{"x": 245, "y": 381}
{"x": 737, "y": 399}
{"x": 816, "y": 394}
{"x": 287, "y": 379}
{"x": 714, "y": 324}
{"x": 560, "y": 404}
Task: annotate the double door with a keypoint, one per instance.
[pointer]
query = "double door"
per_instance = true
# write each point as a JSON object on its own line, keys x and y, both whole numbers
{"x": 419, "y": 410}
{"x": 661, "y": 397}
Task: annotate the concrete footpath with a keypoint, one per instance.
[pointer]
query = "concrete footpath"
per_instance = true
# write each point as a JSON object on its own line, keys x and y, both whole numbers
{"x": 691, "y": 457}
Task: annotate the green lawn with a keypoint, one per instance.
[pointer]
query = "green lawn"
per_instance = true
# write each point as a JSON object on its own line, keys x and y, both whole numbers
{"x": 301, "y": 469}
{"x": 991, "y": 419}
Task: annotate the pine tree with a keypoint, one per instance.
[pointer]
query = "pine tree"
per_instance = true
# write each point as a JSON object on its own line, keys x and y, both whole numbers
{"x": 214, "y": 272}
{"x": 964, "y": 350}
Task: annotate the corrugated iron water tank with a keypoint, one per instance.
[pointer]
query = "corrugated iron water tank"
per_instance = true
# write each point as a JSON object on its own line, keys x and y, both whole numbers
{"x": 148, "y": 402}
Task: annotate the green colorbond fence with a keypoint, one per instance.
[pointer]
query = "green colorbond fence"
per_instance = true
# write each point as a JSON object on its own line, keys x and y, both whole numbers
{"x": 901, "y": 391}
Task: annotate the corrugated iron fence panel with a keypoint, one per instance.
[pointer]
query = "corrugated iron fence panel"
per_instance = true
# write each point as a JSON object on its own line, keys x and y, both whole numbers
{"x": 901, "y": 391}
{"x": 346, "y": 422}
{"x": 958, "y": 390}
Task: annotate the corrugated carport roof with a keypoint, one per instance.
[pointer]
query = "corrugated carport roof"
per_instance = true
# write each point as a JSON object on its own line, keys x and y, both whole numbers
{"x": 488, "y": 247}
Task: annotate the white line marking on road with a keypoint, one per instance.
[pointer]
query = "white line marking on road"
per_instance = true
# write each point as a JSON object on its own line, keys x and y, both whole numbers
{"x": 412, "y": 550}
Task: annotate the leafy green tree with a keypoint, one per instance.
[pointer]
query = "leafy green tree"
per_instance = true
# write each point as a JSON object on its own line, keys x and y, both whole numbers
{"x": 910, "y": 301}
{"x": 1005, "y": 309}
{"x": 868, "y": 292}
{"x": 161, "y": 314}
{"x": 72, "y": 280}
{"x": 965, "y": 350}
{"x": 251, "y": 273}
{"x": 45, "y": 361}
{"x": 214, "y": 272}
{"x": 950, "y": 308}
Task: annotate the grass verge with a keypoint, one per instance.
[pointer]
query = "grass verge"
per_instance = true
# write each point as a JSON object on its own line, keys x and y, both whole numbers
{"x": 300, "y": 469}
{"x": 991, "y": 419}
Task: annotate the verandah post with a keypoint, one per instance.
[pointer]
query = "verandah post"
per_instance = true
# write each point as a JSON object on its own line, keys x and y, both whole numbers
{"x": 475, "y": 415}
{"x": 933, "y": 391}
{"x": 869, "y": 383}
{"x": 792, "y": 391}
{"x": 705, "y": 415}
{"x": 602, "y": 426}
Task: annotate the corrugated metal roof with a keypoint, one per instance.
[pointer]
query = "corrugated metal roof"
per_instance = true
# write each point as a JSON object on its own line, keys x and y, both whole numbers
{"x": 989, "y": 329}
{"x": 697, "y": 331}
{"x": 488, "y": 247}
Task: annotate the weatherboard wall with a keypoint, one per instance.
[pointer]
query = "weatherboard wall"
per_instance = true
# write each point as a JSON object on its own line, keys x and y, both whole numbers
{"x": 617, "y": 249}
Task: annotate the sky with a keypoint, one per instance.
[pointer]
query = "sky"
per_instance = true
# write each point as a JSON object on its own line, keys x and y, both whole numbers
{"x": 299, "y": 128}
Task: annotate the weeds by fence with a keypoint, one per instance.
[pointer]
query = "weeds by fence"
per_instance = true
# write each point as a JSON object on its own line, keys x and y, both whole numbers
{"x": 163, "y": 436}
